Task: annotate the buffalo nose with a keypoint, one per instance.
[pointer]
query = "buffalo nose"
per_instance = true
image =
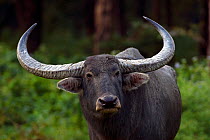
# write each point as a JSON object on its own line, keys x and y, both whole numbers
{"x": 108, "y": 101}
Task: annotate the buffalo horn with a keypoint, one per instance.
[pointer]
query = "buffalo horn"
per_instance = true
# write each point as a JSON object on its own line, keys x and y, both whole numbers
{"x": 45, "y": 70}
{"x": 155, "y": 62}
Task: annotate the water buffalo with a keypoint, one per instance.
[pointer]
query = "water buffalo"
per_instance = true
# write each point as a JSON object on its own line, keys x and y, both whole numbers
{"x": 123, "y": 97}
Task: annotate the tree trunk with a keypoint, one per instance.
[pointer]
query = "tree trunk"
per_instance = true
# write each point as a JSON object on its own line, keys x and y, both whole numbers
{"x": 108, "y": 19}
{"x": 121, "y": 14}
{"x": 204, "y": 28}
{"x": 89, "y": 16}
{"x": 169, "y": 13}
{"x": 156, "y": 10}
{"x": 29, "y": 12}
{"x": 208, "y": 46}
{"x": 140, "y": 8}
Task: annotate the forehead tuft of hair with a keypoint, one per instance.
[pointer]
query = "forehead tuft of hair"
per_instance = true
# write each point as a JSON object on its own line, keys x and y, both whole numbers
{"x": 104, "y": 59}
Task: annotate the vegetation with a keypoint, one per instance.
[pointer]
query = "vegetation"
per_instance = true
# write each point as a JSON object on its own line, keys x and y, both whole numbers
{"x": 194, "y": 81}
{"x": 31, "y": 108}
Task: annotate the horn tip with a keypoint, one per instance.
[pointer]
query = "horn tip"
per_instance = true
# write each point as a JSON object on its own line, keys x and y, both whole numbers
{"x": 145, "y": 17}
{"x": 148, "y": 19}
{"x": 34, "y": 25}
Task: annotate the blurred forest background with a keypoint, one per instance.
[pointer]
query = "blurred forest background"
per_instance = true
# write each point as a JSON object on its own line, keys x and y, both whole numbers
{"x": 31, "y": 108}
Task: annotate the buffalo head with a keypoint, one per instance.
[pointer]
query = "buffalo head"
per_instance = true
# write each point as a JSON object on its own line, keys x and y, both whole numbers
{"x": 101, "y": 78}
{"x": 102, "y": 85}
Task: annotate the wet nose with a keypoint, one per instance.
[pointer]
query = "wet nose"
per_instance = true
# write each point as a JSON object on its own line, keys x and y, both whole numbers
{"x": 108, "y": 101}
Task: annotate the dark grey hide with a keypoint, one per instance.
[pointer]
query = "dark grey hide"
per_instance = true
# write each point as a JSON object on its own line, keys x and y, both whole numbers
{"x": 150, "y": 108}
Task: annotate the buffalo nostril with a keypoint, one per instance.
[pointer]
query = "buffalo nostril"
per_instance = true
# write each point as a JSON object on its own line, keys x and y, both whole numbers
{"x": 108, "y": 101}
{"x": 102, "y": 101}
{"x": 115, "y": 101}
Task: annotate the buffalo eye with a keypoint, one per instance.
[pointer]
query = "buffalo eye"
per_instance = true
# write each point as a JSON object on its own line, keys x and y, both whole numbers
{"x": 89, "y": 75}
{"x": 117, "y": 73}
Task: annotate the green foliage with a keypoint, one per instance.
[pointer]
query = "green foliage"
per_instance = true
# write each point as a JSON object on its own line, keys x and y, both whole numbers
{"x": 65, "y": 43}
{"x": 31, "y": 107}
{"x": 187, "y": 44}
{"x": 194, "y": 86}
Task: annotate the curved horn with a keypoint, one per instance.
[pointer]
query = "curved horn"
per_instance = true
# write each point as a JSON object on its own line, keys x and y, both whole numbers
{"x": 44, "y": 70}
{"x": 155, "y": 62}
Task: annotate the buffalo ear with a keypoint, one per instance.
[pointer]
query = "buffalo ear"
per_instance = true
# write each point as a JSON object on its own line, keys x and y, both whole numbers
{"x": 134, "y": 80}
{"x": 70, "y": 84}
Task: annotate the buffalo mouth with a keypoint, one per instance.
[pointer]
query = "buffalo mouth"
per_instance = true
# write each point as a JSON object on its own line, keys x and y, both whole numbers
{"x": 108, "y": 104}
{"x": 107, "y": 110}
